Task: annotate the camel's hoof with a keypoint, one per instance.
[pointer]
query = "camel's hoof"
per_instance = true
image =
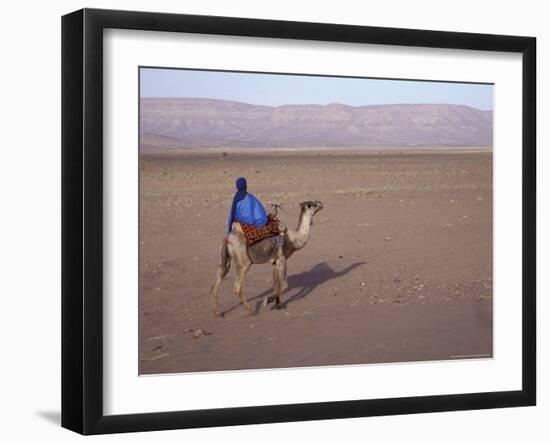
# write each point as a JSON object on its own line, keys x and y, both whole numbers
{"x": 265, "y": 302}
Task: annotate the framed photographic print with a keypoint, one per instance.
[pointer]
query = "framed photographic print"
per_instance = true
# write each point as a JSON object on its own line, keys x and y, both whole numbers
{"x": 269, "y": 221}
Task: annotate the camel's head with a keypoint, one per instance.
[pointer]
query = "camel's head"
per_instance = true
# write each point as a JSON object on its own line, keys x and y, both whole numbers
{"x": 311, "y": 207}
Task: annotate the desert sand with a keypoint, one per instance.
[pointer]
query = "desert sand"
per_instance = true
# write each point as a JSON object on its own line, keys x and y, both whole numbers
{"x": 398, "y": 267}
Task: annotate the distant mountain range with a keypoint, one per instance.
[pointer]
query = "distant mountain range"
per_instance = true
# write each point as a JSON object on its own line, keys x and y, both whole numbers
{"x": 194, "y": 123}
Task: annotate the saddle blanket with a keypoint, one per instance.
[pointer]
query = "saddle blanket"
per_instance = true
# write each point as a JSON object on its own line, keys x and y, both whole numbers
{"x": 254, "y": 234}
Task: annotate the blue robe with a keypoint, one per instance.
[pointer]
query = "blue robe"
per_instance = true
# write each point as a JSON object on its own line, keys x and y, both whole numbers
{"x": 249, "y": 210}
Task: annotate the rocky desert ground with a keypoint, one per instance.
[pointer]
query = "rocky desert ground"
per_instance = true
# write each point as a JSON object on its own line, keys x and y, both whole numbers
{"x": 398, "y": 267}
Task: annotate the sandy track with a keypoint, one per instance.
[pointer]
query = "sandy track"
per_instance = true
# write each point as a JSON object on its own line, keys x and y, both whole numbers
{"x": 398, "y": 268}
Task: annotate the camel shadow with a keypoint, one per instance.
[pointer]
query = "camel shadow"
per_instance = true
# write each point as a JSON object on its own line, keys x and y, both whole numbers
{"x": 304, "y": 282}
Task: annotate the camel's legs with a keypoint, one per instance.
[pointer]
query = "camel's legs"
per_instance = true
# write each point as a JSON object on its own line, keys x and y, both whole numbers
{"x": 220, "y": 275}
{"x": 279, "y": 278}
{"x": 284, "y": 281}
{"x": 221, "y": 272}
{"x": 239, "y": 283}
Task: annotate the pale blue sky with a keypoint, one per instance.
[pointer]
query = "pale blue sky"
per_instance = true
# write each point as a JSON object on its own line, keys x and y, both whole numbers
{"x": 276, "y": 89}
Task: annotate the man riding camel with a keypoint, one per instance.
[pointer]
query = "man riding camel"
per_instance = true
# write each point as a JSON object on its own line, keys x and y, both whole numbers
{"x": 275, "y": 243}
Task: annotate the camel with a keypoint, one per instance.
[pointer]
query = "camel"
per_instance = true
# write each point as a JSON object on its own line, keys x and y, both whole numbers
{"x": 234, "y": 248}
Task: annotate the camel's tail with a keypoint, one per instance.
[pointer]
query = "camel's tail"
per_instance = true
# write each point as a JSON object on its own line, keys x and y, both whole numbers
{"x": 225, "y": 258}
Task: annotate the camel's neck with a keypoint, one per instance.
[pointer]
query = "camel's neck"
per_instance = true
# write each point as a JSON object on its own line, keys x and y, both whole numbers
{"x": 300, "y": 236}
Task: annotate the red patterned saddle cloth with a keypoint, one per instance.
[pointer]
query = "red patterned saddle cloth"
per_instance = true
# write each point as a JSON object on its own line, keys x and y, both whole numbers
{"x": 254, "y": 234}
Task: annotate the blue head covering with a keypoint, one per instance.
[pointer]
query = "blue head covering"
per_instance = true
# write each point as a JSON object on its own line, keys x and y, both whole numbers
{"x": 239, "y": 195}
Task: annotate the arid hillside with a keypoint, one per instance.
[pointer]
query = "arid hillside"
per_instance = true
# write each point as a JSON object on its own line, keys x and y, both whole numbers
{"x": 194, "y": 123}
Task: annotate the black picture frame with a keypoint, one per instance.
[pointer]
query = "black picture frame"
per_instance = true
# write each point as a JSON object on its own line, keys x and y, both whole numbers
{"x": 82, "y": 218}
